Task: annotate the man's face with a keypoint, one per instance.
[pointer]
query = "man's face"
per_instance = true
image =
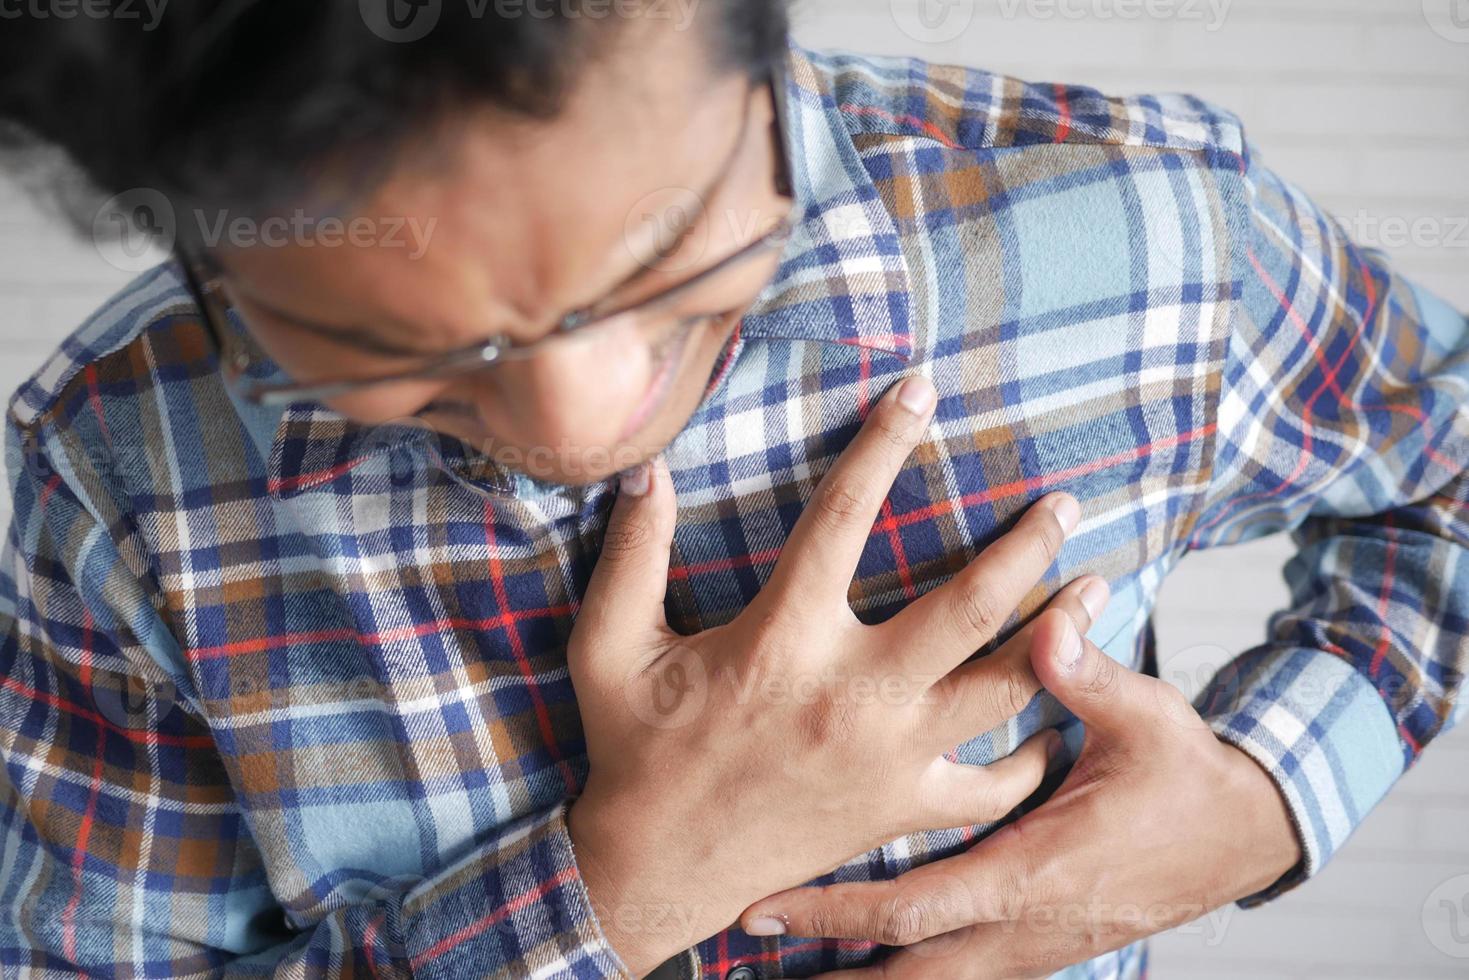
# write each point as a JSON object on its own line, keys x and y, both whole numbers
{"x": 657, "y": 169}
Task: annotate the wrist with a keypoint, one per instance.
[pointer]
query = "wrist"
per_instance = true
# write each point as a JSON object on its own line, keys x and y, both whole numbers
{"x": 1271, "y": 840}
{"x": 640, "y": 895}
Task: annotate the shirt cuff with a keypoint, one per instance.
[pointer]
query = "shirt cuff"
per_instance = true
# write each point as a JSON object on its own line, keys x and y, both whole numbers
{"x": 1324, "y": 734}
{"x": 516, "y": 904}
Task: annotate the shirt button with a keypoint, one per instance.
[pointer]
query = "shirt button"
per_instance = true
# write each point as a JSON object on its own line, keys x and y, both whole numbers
{"x": 742, "y": 973}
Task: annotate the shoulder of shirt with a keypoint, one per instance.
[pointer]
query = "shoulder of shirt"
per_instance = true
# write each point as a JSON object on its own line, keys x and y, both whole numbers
{"x": 967, "y": 108}
{"x": 53, "y": 395}
{"x": 952, "y": 106}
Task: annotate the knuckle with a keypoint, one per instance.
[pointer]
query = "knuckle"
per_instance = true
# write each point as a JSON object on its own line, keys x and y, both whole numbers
{"x": 892, "y": 428}
{"x": 827, "y": 917}
{"x": 978, "y": 608}
{"x": 770, "y": 630}
{"x": 1103, "y": 683}
{"x": 901, "y": 921}
{"x": 839, "y": 504}
{"x": 1009, "y": 900}
{"x": 1016, "y": 691}
{"x": 626, "y": 538}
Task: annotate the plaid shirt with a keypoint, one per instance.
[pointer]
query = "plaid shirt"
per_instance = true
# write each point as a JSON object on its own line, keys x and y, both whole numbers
{"x": 279, "y": 694}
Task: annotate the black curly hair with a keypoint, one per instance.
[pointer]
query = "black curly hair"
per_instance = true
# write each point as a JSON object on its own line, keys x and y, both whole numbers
{"x": 245, "y": 103}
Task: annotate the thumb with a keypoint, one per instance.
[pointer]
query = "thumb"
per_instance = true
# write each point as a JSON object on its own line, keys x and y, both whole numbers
{"x": 624, "y": 598}
{"x": 1105, "y": 695}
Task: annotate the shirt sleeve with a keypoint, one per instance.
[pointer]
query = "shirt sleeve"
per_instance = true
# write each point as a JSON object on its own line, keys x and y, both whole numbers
{"x": 1342, "y": 418}
{"x": 123, "y": 849}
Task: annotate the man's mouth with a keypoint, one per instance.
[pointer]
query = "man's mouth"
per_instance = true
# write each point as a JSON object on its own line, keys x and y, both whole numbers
{"x": 670, "y": 356}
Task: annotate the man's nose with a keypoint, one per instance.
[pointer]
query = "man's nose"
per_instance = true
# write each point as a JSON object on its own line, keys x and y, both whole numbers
{"x": 584, "y": 387}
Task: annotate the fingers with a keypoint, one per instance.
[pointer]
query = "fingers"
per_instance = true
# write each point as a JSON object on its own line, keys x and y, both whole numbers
{"x": 992, "y": 882}
{"x": 1106, "y": 696}
{"x": 987, "y": 692}
{"x": 948, "y": 956}
{"x": 624, "y": 598}
{"x": 926, "y": 902}
{"x": 985, "y": 952}
{"x": 949, "y": 624}
{"x": 958, "y": 795}
{"x": 822, "y": 553}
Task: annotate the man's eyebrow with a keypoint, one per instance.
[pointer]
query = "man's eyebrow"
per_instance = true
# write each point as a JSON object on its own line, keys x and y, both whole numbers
{"x": 356, "y": 336}
{"x": 370, "y": 339}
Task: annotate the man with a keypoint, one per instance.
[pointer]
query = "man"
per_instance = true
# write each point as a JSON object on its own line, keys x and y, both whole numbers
{"x": 328, "y": 651}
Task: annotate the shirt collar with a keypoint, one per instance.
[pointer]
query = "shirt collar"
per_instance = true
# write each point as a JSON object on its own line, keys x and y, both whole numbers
{"x": 843, "y": 279}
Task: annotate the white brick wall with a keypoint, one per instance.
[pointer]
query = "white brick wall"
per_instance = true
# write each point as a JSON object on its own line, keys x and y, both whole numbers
{"x": 1361, "y": 102}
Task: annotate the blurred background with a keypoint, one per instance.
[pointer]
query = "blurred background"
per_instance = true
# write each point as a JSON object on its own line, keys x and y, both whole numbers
{"x": 1364, "y": 103}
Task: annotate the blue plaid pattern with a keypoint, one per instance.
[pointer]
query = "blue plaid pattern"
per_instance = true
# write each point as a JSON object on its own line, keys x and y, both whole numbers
{"x": 283, "y": 696}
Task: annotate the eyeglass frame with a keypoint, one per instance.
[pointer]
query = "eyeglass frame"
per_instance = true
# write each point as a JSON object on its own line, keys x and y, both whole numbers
{"x": 475, "y": 357}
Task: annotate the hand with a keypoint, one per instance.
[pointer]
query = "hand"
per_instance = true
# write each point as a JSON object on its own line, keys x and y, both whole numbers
{"x": 1158, "y": 823}
{"x": 749, "y": 758}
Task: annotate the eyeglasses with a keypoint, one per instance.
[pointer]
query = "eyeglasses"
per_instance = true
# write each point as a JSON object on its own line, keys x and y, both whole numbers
{"x": 656, "y": 318}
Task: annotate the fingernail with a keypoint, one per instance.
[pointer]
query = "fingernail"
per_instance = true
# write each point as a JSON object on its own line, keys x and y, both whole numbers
{"x": 1067, "y": 511}
{"x": 1054, "y": 744}
{"x": 765, "y": 926}
{"x": 917, "y": 395}
{"x": 638, "y": 481}
{"x": 1068, "y": 650}
{"x": 1094, "y": 597}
